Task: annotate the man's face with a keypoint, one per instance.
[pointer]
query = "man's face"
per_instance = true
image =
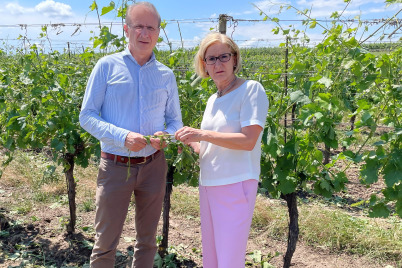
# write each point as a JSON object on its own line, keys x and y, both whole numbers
{"x": 142, "y": 31}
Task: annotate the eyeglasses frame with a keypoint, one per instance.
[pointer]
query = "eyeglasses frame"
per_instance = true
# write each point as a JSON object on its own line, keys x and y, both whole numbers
{"x": 140, "y": 28}
{"x": 219, "y": 58}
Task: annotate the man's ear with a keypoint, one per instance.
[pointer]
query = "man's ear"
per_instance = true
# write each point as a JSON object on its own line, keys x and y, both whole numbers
{"x": 125, "y": 27}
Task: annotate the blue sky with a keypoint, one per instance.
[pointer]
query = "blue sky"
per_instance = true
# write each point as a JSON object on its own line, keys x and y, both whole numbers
{"x": 193, "y": 18}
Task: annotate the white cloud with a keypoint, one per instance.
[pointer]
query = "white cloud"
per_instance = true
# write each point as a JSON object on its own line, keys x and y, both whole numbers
{"x": 248, "y": 12}
{"x": 16, "y": 10}
{"x": 270, "y": 7}
{"x": 255, "y": 35}
{"x": 320, "y": 9}
{"x": 44, "y": 10}
{"x": 51, "y": 8}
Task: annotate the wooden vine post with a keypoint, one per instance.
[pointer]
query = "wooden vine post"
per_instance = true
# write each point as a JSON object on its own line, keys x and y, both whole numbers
{"x": 164, "y": 245}
{"x": 222, "y": 23}
{"x": 71, "y": 192}
{"x": 291, "y": 198}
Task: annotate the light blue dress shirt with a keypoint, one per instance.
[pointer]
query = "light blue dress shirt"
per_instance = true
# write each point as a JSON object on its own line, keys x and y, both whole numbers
{"x": 122, "y": 96}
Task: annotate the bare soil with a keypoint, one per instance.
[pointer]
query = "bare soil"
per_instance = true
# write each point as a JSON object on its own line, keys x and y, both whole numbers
{"x": 46, "y": 241}
{"x": 43, "y": 241}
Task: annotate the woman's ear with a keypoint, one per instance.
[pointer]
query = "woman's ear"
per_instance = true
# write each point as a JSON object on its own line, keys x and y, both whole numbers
{"x": 234, "y": 62}
{"x": 205, "y": 68}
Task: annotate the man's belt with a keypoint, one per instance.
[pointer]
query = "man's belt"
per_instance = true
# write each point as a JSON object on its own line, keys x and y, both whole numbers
{"x": 125, "y": 159}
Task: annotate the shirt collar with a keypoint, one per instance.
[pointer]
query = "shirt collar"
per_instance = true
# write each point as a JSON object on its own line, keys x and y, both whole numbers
{"x": 127, "y": 52}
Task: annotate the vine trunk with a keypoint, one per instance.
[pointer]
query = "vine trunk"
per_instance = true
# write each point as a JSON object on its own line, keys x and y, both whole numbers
{"x": 293, "y": 235}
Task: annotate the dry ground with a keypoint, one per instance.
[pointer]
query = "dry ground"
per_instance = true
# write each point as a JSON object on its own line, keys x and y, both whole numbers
{"x": 51, "y": 240}
{"x": 41, "y": 231}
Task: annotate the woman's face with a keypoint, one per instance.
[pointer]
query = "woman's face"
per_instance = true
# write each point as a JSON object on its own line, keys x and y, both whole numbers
{"x": 221, "y": 70}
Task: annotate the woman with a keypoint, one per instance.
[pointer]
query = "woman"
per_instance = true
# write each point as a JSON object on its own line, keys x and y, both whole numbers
{"x": 229, "y": 147}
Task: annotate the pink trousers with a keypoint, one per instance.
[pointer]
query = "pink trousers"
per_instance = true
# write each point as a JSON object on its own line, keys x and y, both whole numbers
{"x": 226, "y": 214}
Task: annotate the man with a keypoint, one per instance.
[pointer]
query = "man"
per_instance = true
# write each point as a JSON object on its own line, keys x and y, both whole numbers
{"x": 129, "y": 95}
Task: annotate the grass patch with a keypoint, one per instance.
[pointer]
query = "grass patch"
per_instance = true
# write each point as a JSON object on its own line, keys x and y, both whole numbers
{"x": 342, "y": 232}
{"x": 185, "y": 201}
{"x": 271, "y": 216}
{"x": 321, "y": 225}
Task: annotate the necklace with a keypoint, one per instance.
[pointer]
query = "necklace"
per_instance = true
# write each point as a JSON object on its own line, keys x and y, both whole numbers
{"x": 222, "y": 92}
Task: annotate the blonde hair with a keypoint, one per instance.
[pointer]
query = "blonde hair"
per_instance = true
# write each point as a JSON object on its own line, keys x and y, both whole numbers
{"x": 210, "y": 39}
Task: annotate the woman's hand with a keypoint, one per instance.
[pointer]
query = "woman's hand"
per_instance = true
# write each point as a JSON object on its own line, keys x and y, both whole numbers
{"x": 245, "y": 140}
{"x": 195, "y": 146}
{"x": 188, "y": 135}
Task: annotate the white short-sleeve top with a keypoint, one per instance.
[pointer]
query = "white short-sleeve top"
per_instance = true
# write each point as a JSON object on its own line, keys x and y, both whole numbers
{"x": 244, "y": 106}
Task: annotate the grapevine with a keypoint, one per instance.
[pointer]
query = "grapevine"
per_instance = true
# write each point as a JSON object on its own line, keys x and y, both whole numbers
{"x": 328, "y": 83}
{"x": 185, "y": 156}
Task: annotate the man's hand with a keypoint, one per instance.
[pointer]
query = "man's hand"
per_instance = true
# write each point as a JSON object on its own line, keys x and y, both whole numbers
{"x": 135, "y": 142}
{"x": 156, "y": 143}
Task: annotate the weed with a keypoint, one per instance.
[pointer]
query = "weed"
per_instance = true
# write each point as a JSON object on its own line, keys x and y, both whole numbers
{"x": 256, "y": 258}
{"x": 24, "y": 208}
{"x": 88, "y": 205}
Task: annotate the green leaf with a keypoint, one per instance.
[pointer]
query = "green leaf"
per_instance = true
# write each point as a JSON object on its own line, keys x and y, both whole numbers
{"x": 369, "y": 171}
{"x": 398, "y": 207}
{"x": 321, "y": 189}
{"x": 107, "y": 9}
{"x": 256, "y": 256}
{"x": 9, "y": 143}
{"x": 366, "y": 116}
{"x": 14, "y": 256}
{"x": 288, "y": 185}
{"x": 313, "y": 24}
{"x": 158, "y": 261}
{"x": 299, "y": 97}
{"x": 339, "y": 181}
{"x": 93, "y": 6}
{"x": 318, "y": 155}
{"x": 392, "y": 174}
{"x": 348, "y": 64}
{"x": 325, "y": 185}
{"x": 392, "y": 193}
{"x": 326, "y": 97}
{"x": 379, "y": 210}
{"x": 179, "y": 178}
{"x": 325, "y": 81}
{"x": 298, "y": 67}
{"x": 57, "y": 144}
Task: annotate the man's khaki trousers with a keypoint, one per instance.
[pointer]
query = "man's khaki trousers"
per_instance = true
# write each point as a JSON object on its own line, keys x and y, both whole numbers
{"x": 114, "y": 190}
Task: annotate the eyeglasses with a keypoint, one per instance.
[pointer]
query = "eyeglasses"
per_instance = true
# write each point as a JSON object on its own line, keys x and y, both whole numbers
{"x": 225, "y": 57}
{"x": 140, "y": 27}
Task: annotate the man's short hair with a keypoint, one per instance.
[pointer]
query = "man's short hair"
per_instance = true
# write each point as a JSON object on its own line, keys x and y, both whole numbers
{"x": 147, "y": 4}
